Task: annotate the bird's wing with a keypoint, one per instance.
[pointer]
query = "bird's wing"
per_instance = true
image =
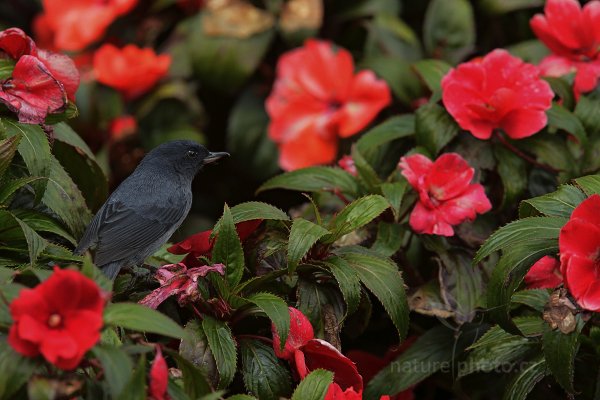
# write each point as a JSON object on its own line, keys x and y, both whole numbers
{"x": 125, "y": 232}
{"x": 90, "y": 236}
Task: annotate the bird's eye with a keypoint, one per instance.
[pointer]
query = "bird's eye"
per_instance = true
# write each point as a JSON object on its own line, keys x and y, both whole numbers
{"x": 192, "y": 153}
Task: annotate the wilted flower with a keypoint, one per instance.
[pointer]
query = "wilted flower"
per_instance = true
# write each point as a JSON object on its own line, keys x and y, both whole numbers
{"x": 498, "y": 91}
{"x": 544, "y": 274}
{"x": 130, "y": 70}
{"x": 60, "y": 318}
{"x": 317, "y": 98}
{"x": 572, "y": 34}
{"x": 579, "y": 245}
{"x": 446, "y": 195}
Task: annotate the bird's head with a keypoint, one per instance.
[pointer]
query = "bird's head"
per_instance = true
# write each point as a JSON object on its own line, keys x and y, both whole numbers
{"x": 184, "y": 156}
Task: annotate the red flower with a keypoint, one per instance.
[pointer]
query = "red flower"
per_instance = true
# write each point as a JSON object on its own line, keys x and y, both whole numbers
{"x": 544, "y": 274}
{"x": 498, "y": 91}
{"x": 178, "y": 280}
{"x": 316, "y": 99}
{"x": 307, "y": 354}
{"x": 335, "y": 392}
{"x": 130, "y": 70}
{"x": 347, "y": 164}
{"x": 579, "y": 244}
{"x": 159, "y": 377}
{"x": 122, "y": 126}
{"x": 59, "y": 319}
{"x": 15, "y": 43}
{"x": 572, "y": 34}
{"x": 32, "y": 92}
{"x": 74, "y": 24}
{"x": 446, "y": 195}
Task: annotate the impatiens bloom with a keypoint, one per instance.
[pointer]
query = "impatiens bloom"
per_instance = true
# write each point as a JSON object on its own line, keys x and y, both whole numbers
{"x": 130, "y": 70}
{"x": 544, "y": 274}
{"x": 122, "y": 126}
{"x": 59, "y": 319}
{"x": 317, "y": 98}
{"x": 572, "y": 34}
{"x": 159, "y": 377}
{"x": 347, "y": 164}
{"x": 306, "y": 354}
{"x": 75, "y": 24}
{"x": 446, "y": 195}
{"x": 498, "y": 91}
{"x": 579, "y": 245}
{"x": 181, "y": 281}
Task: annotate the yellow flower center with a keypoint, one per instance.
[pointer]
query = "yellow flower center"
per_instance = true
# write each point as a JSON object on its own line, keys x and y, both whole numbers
{"x": 54, "y": 320}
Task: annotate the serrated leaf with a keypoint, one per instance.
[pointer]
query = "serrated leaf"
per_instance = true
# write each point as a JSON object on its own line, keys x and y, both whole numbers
{"x": 117, "y": 367}
{"x": 223, "y": 349}
{"x": 559, "y": 352}
{"x": 195, "y": 383}
{"x": 141, "y": 318}
{"x": 195, "y": 349}
{"x": 228, "y": 249}
{"x": 348, "y": 282}
{"x": 389, "y": 238}
{"x": 277, "y": 310}
{"x": 15, "y": 370}
{"x": 303, "y": 235}
{"x": 136, "y": 387}
{"x": 355, "y": 215}
{"x": 366, "y": 173}
{"x": 434, "y": 127}
{"x": 10, "y": 187}
{"x": 252, "y": 210}
{"x": 561, "y": 118}
{"x": 323, "y": 305}
{"x": 43, "y": 223}
{"x": 394, "y": 192}
{"x": 526, "y": 380}
{"x": 313, "y": 179}
{"x": 556, "y": 204}
{"x": 431, "y": 72}
{"x": 8, "y": 148}
{"x": 394, "y": 128}
{"x": 35, "y": 243}
{"x": 314, "y": 386}
{"x": 382, "y": 278}
{"x": 513, "y": 172}
{"x": 264, "y": 375}
{"x": 587, "y": 112}
{"x": 534, "y": 298}
{"x": 589, "y": 184}
{"x": 523, "y": 231}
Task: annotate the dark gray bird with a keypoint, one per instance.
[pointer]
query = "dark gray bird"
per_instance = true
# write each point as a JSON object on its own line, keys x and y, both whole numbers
{"x": 148, "y": 206}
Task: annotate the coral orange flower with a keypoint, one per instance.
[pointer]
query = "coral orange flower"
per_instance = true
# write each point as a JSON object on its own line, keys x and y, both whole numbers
{"x": 579, "y": 245}
{"x": 544, "y": 274}
{"x": 122, "y": 126}
{"x": 317, "y": 98}
{"x": 59, "y": 319}
{"x": 498, "y": 91}
{"x": 130, "y": 70}
{"x": 72, "y": 25}
{"x": 446, "y": 195}
{"x": 572, "y": 34}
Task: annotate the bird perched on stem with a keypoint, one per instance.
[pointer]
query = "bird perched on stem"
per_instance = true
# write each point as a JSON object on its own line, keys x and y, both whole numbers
{"x": 148, "y": 206}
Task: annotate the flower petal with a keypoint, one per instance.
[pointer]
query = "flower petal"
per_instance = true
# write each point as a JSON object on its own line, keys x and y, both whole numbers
{"x": 301, "y": 331}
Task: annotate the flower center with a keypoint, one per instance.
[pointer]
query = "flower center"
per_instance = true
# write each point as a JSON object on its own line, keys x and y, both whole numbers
{"x": 54, "y": 320}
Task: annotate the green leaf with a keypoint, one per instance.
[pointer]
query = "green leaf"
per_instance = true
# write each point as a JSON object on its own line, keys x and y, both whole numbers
{"x": 506, "y": 6}
{"x": 43, "y": 223}
{"x": 195, "y": 383}
{"x": 366, "y": 173}
{"x": 277, "y": 310}
{"x": 347, "y": 280}
{"x": 252, "y": 210}
{"x": 389, "y": 239}
{"x": 35, "y": 243}
{"x": 394, "y": 192}
{"x": 314, "y": 386}
{"x": 15, "y": 370}
{"x": 241, "y": 397}
{"x": 526, "y": 380}
{"x": 355, "y": 215}
{"x": 313, "y": 179}
{"x": 394, "y": 128}
{"x": 136, "y": 387}
{"x": 264, "y": 375}
{"x": 223, "y": 349}
{"x": 449, "y": 29}
{"x": 559, "y": 352}
{"x": 195, "y": 349}
{"x": 561, "y": 118}
{"x": 382, "y": 278}
{"x": 8, "y": 148}
{"x": 141, "y": 318}
{"x": 228, "y": 249}
{"x": 534, "y": 298}
{"x": 303, "y": 235}
{"x": 513, "y": 172}
{"x": 523, "y": 231}
{"x": 432, "y": 72}
{"x": 587, "y": 112}
{"x": 435, "y": 128}
{"x": 589, "y": 184}
{"x": 69, "y": 113}
{"x": 557, "y": 204}
{"x": 10, "y": 187}
{"x": 563, "y": 89}
{"x": 117, "y": 367}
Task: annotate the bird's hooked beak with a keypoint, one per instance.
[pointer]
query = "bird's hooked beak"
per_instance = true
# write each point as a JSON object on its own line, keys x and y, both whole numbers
{"x": 212, "y": 157}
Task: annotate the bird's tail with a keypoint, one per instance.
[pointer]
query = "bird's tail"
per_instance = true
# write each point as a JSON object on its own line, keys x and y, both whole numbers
{"x": 112, "y": 269}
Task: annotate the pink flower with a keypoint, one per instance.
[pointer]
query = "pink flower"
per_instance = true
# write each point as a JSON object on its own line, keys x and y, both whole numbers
{"x": 498, "y": 91}
{"x": 544, "y": 274}
{"x": 572, "y": 34}
{"x": 446, "y": 195}
{"x": 317, "y": 98}
{"x": 347, "y": 164}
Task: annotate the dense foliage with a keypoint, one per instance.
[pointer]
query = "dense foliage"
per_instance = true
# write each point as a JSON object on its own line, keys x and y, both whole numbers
{"x": 411, "y": 209}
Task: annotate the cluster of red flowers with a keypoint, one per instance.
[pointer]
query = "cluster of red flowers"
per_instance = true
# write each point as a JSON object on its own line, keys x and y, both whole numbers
{"x": 317, "y": 99}
{"x": 41, "y": 83}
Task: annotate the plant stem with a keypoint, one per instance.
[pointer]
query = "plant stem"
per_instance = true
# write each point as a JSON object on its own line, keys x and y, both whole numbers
{"x": 524, "y": 156}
